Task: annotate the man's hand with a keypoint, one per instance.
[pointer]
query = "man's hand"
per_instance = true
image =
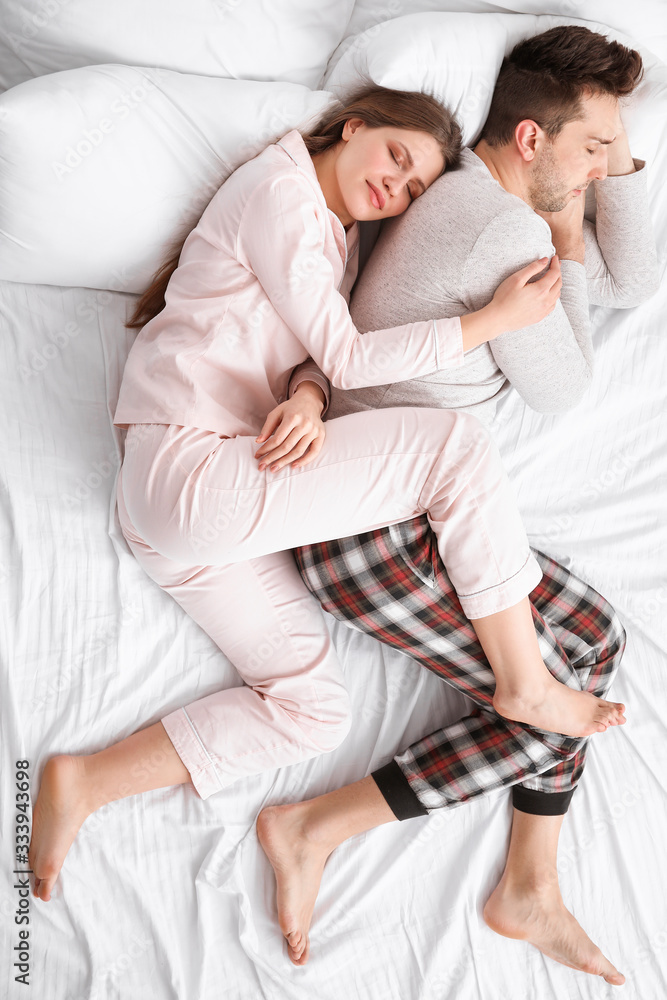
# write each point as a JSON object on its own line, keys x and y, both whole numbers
{"x": 293, "y": 432}
{"x": 619, "y": 157}
{"x": 567, "y": 229}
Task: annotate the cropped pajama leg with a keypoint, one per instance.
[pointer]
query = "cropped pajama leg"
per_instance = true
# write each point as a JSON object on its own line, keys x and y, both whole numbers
{"x": 212, "y": 530}
{"x": 392, "y": 584}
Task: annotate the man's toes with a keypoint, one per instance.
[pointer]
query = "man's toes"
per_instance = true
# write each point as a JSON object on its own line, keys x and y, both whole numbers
{"x": 614, "y": 979}
{"x": 293, "y": 939}
{"x": 300, "y": 948}
{"x": 597, "y": 964}
{"x": 296, "y": 944}
{"x": 602, "y": 967}
{"x": 302, "y": 956}
{"x": 296, "y": 954}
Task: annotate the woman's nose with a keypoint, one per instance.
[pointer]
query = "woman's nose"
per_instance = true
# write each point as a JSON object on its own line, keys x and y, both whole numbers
{"x": 392, "y": 184}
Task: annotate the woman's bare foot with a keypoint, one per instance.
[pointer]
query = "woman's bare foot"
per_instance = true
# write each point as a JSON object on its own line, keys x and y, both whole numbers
{"x": 298, "y": 857}
{"x": 538, "y": 915}
{"x": 557, "y": 708}
{"x": 63, "y": 803}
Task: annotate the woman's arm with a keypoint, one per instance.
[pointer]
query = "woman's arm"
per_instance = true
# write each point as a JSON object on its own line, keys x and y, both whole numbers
{"x": 281, "y": 240}
{"x": 293, "y": 432}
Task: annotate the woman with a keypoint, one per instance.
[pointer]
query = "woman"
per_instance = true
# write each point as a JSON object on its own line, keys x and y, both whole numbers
{"x": 255, "y": 292}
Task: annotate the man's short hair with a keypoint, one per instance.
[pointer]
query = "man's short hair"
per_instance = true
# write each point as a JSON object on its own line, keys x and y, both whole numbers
{"x": 544, "y": 79}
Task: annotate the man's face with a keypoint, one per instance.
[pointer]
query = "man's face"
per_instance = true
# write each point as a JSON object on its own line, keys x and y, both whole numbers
{"x": 563, "y": 168}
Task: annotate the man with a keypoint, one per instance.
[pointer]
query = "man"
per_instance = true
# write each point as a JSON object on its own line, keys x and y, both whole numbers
{"x": 553, "y": 129}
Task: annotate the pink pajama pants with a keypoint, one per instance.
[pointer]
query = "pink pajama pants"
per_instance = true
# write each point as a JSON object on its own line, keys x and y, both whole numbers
{"x": 213, "y": 532}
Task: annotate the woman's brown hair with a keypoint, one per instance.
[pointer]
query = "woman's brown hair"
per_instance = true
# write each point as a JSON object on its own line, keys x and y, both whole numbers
{"x": 378, "y": 107}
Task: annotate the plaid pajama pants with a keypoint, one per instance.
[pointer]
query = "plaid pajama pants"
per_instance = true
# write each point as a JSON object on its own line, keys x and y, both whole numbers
{"x": 392, "y": 584}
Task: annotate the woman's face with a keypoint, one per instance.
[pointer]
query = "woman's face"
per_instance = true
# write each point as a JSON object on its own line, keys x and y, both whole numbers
{"x": 380, "y": 171}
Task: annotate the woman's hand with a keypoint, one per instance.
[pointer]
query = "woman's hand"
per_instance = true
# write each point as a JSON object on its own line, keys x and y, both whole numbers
{"x": 293, "y": 433}
{"x": 517, "y": 302}
{"x": 521, "y": 302}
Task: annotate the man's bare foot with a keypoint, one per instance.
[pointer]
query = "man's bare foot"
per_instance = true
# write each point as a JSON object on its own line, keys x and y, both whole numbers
{"x": 559, "y": 709}
{"x": 539, "y": 916}
{"x": 298, "y": 858}
{"x": 61, "y": 807}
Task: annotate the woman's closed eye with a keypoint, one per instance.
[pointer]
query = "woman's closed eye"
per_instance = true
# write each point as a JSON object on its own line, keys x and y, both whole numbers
{"x": 410, "y": 194}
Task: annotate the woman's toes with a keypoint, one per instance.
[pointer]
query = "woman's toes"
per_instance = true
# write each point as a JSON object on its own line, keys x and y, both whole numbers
{"x": 45, "y": 889}
{"x": 44, "y": 883}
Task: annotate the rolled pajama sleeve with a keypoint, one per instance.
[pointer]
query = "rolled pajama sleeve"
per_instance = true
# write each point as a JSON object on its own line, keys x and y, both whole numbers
{"x": 281, "y": 240}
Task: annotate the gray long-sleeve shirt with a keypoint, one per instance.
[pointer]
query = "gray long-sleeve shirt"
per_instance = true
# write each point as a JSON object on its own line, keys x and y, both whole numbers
{"x": 448, "y": 253}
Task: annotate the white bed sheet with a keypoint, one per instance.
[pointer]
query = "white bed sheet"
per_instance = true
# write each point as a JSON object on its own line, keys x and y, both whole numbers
{"x": 94, "y": 649}
{"x": 169, "y": 896}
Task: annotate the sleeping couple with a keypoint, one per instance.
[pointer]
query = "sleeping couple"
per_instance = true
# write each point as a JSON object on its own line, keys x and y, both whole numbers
{"x": 400, "y": 501}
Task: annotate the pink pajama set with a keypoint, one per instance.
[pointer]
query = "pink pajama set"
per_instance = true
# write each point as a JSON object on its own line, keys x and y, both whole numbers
{"x": 261, "y": 286}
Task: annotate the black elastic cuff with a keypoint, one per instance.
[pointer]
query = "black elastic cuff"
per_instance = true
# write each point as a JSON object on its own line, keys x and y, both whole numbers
{"x": 528, "y": 800}
{"x": 397, "y": 791}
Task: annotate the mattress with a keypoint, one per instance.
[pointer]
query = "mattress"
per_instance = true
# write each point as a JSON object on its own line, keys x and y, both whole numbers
{"x": 166, "y": 895}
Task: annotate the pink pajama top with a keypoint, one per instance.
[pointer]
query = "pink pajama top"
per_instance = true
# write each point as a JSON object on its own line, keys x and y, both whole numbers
{"x": 261, "y": 285}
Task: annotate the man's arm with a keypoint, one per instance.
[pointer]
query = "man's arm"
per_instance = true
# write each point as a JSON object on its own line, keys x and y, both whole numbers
{"x": 621, "y": 256}
{"x": 550, "y": 364}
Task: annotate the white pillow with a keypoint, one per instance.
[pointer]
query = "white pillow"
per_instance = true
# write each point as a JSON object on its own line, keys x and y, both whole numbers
{"x": 454, "y": 56}
{"x": 644, "y": 20}
{"x": 103, "y": 166}
{"x": 285, "y": 40}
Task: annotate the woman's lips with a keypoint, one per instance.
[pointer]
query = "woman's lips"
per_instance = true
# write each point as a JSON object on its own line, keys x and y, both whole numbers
{"x": 377, "y": 198}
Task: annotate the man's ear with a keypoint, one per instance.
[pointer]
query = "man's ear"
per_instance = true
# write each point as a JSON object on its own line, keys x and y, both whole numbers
{"x": 528, "y": 137}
